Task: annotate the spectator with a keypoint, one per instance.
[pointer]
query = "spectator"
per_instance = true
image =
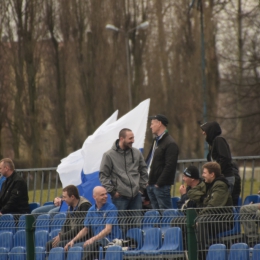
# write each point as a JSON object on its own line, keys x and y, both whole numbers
{"x": 14, "y": 193}
{"x": 2, "y": 179}
{"x": 102, "y": 220}
{"x": 217, "y": 197}
{"x": 77, "y": 210}
{"x": 219, "y": 151}
{"x": 123, "y": 172}
{"x": 162, "y": 163}
{"x": 237, "y": 186}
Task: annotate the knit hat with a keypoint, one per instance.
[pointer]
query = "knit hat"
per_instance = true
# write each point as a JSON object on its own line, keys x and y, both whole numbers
{"x": 192, "y": 172}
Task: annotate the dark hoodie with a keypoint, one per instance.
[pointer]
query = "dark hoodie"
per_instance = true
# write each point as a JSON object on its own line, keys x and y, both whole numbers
{"x": 219, "y": 150}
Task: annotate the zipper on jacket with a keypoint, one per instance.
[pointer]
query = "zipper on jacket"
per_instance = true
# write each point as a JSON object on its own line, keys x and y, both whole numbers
{"x": 128, "y": 175}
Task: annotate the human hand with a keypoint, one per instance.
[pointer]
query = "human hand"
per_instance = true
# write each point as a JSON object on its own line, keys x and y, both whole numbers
{"x": 70, "y": 244}
{"x": 117, "y": 195}
{"x": 182, "y": 190}
{"x": 56, "y": 240}
{"x": 156, "y": 186}
{"x": 89, "y": 242}
{"x": 57, "y": 201}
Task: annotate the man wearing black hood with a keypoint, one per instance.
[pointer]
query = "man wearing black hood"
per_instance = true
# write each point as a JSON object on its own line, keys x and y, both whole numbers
{"x": 219, "y": 151}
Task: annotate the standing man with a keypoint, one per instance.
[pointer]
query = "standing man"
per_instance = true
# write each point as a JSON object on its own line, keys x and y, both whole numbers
{"x": 76, "y": 213}
{"x": 123, "y": 172}
{"x": 14, "y": 193}
{"x": 162, "y": 163}
{"x": 102, "y": 220}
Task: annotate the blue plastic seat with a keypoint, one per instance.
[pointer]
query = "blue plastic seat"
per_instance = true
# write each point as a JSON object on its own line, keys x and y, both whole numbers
{"x": 151, "y": 219}
{"x": 3, "y": 253}
{"x": 239, "y": 251}
{"x": 236, "y": 226}
{"x": 100, "y": 253}
{"x": 6, "y": 240}
{"x": 252, "y": 199}
{"x": 20, "y": 238}
{"x": 137, "y": 235}
{"x": 57, "y": 253}
{"x": 174, "y": 202}
{"x": 152, "y": 242}
{"x": 41, "y": 237}
{"x": 54, "y": 233}
{"x": 75, "y": 253}
{"x": 57, "y": 221}
{"x": 256, "y": 252}
{"x": 217, "y": 252}
{"x": 17, "y": 253}
{"x": 33, "y": 205}
{"x": 114, "y": 253}
{"x": 167, "y": 217}
{"x": 21, "y": 222}
{"x": 7, "y": 223}
{"x": 172, "y": 244}
{"x": 40, "y": 253}
{"x": 43, "y": 222}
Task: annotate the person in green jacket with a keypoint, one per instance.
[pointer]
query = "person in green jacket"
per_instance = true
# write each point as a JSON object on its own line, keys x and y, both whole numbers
{"x": 216, "y": 215}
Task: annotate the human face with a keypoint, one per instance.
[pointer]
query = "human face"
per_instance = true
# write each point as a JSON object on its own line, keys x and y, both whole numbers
{"x": 3, "y": 169}
{"x": 187, "y": 180}
{"x": 100, "y": 196}
{"x": 67, "y": 199}
{"x": 208, "y": 177}
{"x": 128, "y": 141}
{"x": 155, "y": 126}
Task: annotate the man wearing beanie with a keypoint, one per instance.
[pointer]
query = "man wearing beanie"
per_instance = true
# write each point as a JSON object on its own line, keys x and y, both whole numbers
{"x": 161, "y": 163}
{"x": 193, "y": 193}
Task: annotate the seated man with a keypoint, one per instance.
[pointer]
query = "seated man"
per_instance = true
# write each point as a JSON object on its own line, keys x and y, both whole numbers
{"x": 102, "y": 220}
{"x": 14, "y": 193}
{"x": 191, "y": 196}
{"x": 250, "y": 218}
{"x": 214, "y": 217}
{"x": 78, "y": 206}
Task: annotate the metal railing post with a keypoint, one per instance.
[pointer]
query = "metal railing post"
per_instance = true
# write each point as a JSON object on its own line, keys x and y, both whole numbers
{"x": 191, "y": 236}
{"x": 29, "y": 229}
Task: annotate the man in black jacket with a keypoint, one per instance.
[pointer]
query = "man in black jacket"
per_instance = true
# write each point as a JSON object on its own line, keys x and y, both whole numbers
{"x": 162, "y": 163}
{"x": 14, "y": 193}
{"x": 77, "y": 210}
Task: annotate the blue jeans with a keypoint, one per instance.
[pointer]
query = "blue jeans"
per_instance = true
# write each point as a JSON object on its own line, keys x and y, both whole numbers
{"x": 129, "y": 211}
{"x": 160, "y": 197}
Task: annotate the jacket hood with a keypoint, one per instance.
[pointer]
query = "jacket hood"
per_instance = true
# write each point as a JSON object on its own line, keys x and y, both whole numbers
{"x": 117, "y": 148}
{"x": 212, "y": 130}
{"x": 220, "y": 178}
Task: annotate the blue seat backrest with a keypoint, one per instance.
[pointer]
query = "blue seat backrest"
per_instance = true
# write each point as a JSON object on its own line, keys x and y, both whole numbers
{"x": 169, "y": 215}
{"x": 152, "y": 239}
{"x": 173, "y": 240}
{"x": 40, "y": 253}
{"x": 151, "y": 219}
{"x": 217, "y": 252}
{"x": 239, "y": 251}
{"x": 3, "y": 253}
{"x": 252, "y": 199}
{"x": 6, "y": 240}
{"x": 41, "y": 237}
{"x": 57, "y": 253}
{"x": 20, "y": 238}
{"x": 114, "y": 253}
{"x": 21, "y": 222}
{"x": 256, "y": 252}
{"x": 7, "y": 223}
{"x": 75, "y": 253}
{"x": 58, "y": 221}
{"x": 174, "y": 202}
{"x": 34, "y": 205}
{"x": 137, "y": 235}
{"x": 17, "y": 253}
{"x": 43, "y": 222}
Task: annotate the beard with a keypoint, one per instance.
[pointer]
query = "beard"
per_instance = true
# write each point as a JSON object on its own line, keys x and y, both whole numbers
{"x": 127, "y": 146}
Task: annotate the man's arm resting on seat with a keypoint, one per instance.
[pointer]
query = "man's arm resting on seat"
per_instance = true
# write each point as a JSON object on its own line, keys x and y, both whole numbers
{"x": 100, "y": 235}
{"x": 83, "y": 232}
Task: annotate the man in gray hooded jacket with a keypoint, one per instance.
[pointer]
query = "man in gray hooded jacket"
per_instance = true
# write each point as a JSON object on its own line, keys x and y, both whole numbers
{"x": 123, "y": 172}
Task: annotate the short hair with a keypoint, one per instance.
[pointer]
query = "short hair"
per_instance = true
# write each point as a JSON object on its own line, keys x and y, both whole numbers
{"x": 213, "y": 167}
{"x": 122, "y": 132}
{"x": 8, "y": 162}
{"x": 72, "y": 190}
